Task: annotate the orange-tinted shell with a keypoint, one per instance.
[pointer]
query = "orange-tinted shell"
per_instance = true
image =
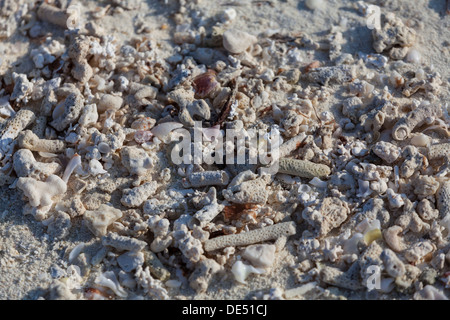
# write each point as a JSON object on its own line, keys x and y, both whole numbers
{"x": 144, "y": 124}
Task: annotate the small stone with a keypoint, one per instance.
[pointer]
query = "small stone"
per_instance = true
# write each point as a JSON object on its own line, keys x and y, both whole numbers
{"x": 236, "y": 41}
{"x": 314, "y": 4}
{"x": 129, "y": 261}
{"x": 260, "y": 255}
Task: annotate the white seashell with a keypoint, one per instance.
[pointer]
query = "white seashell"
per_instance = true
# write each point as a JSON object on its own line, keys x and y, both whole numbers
{"x": 413, "y": 56}
{"x": 162, "y": 131}
{"x": 359, "y": 151}
{"x": 71, "y": 166}
{"x": 260, "y": 255}
{"x": 326, "y": 116}
{"x": 108, "y": 279}
{"x": 318, "y": 183}
{"x": 420, "y": 140}
{"x": 47, "y": 154}
{"x": 59, "y": 110}
{"x": 173, "y": 283}
{"x": 95, "y": 167}
{"x": 288, "y": 179}
{"x": 421, "y": 75}
{"x": 241, "y": 271}
{"x": 304, "y": 188}
{"x": 76, "y": 251}
{"x": 445, "y": 222}
{"x": 103, "y": 147}
{"x": 395, "y": 200}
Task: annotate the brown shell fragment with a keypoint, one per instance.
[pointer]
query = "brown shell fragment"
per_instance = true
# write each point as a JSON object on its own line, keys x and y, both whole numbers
{"x": 205, "y": 83}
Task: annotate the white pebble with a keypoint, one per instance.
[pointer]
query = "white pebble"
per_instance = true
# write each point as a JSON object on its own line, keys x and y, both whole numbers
{"x": 314, "y": 4}
{"x": 236, "y": 41}
{"x": 228, "y": 15}
{"x": 413, "y": 56}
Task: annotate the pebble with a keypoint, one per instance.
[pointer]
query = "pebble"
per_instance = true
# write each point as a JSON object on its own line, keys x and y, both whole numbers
{"x": 129, "y": 261}
{"x": 413, "y": 56}
{"x": 314, "y": 4}
{"x": 236, "y": 41}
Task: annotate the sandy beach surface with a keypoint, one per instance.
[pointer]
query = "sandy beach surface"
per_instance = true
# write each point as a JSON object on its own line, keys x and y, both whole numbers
{"x": 38, "y": 264}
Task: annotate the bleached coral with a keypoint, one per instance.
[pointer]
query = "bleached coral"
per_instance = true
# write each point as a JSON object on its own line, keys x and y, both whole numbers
{"x": 247, "y": 187}
{"x": 99, "y": 220}
{"x": 303, "y": 168}
{"x": 273, "y": 232}
{"x": 426, "y": 113}
{"x": 22, "y": 119}
{"x": 40, "y": 193}
{"x": 28, "y": 140}
{"x": 135, "y": 197}
{"x": 394, "y": 37}
{"x": 26, "y": 165}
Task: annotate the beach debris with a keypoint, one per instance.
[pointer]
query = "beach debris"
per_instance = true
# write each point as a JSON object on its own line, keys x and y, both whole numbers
{"x": 241, "y": 271}
{"x": 424, "y": 114}
{"x": 41, "y": 193}
{"x": 99, "y": 220}
{"x": 28, "y": 140}
{"x": 273, "y": 232}
{"x": 303, "y": 168}
{"x": 89, "y": 126}
{"x": 394, "y": 37}
{"x": 237, "y": 41}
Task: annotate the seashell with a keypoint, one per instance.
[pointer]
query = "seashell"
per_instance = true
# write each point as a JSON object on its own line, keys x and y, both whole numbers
{"x": 351, "y": 245}
{"x": 103, "y": 147}
{"x": 109, "y": 280}
{"x": 318, "y": 183}
{"x": 163, "y": 130}
{"x": 142, "y": 136}
{"x": 173, "y": 283}
{"x": 143, "y": 124}
{"x": 71, "y": 166}
{"x": 420, "y": 140}
{"x": 205, "y": 83}
{"x": 95, "y": 167}
{"x": 75, "y": 252}
{"x": 241, "y": 271}
{"x": 413, "y": 56}
{"x": 47, "y": 154}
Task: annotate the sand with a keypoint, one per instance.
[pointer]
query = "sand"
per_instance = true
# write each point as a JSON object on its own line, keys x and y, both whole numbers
{"x": 29, "y": 257}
